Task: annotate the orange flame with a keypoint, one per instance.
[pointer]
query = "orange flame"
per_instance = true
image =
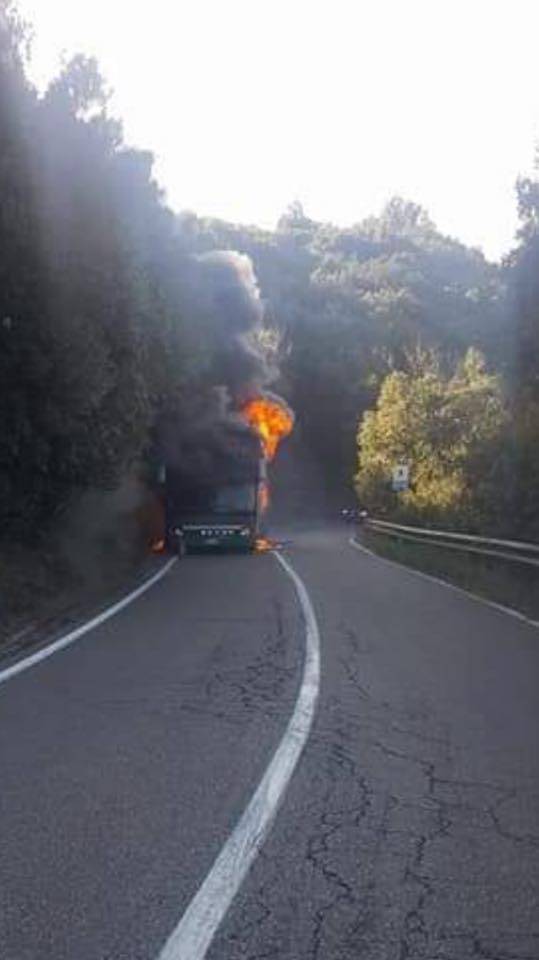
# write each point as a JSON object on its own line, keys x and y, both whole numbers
{"x": 263, "y": 496}
{"x": 271, "y": 420}
{"x": 263, "y": 544}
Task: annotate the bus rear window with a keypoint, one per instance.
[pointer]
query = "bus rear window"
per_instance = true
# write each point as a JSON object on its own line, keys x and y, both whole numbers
{"x": 235, "y": 498}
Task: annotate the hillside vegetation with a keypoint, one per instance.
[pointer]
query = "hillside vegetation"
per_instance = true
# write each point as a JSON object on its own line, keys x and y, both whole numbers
{"x": 392, "y": 341}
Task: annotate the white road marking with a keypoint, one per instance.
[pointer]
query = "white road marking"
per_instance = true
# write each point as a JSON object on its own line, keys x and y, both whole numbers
{"x": 69, "y": 638}
{"x": 192, "y": 937}
{"x": 444, "y": 583}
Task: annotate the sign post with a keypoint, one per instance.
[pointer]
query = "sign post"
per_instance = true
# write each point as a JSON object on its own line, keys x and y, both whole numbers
{"x": 400, "y": 479}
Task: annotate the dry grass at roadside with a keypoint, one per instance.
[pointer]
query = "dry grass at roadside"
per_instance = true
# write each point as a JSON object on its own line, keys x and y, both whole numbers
{"x": 99, "y": 547}
{"x": 511, "y": 584}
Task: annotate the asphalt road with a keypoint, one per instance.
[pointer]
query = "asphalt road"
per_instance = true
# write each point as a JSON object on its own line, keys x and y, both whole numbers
{"x": 411, "y": 825}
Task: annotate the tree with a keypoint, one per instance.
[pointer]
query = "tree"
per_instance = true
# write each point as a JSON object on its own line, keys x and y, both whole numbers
{"x": 105, "y": 324}
{"x": 441, "y": 425}
{"x": 522, "y": 351}
{"x": 353, "y": 304}
{"x": 91, "y": 328}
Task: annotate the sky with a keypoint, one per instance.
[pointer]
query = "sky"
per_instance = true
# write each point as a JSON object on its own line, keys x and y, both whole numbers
{"x": 249, "y": 105}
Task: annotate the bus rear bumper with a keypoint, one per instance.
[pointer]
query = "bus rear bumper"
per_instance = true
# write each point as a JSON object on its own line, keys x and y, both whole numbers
{"x": 198, "y": 538}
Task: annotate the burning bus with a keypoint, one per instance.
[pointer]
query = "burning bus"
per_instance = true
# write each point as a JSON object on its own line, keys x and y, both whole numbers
{"x": 215, "y": 449}
{"x": 221, "y": 505}
{"x": 216, "y": 493}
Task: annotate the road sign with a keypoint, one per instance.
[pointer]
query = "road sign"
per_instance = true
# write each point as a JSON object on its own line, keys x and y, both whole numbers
{"x": 400, "y": 477}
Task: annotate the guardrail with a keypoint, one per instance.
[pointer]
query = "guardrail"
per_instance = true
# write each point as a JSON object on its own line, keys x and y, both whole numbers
{"x": 516, "y": 551}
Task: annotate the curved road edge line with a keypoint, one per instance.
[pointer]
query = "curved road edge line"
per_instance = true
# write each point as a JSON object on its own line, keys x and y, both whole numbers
{"x": 445, "y": 583}
{"x": 70, "y": 638}
{"x": 196, "y": 929}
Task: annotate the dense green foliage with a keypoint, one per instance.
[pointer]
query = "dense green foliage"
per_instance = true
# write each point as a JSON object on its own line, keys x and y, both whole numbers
{"x": 443, "y": 427}
{"x": 472, "y": 438}
{"x": 391, "y": 316}
{"x": 92, "y": 334}
{"x": 387, "y": 325}
{"x": 353, "y": 304}
{"x": 523, "y": 268}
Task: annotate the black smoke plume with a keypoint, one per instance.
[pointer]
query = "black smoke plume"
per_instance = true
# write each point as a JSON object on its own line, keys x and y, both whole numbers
{"x": 227, "y": 290}
{"x": 207, "y": 434}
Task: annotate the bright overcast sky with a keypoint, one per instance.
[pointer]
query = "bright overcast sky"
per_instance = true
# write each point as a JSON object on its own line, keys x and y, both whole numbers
{"x": 250, "y": 104}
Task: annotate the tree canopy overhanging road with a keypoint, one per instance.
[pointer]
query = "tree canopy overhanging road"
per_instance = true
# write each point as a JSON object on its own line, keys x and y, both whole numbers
{"x": 410, "y": 827}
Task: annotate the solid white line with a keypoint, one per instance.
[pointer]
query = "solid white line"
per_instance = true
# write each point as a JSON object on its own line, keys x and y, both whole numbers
{"x": 444, "y": 583}
{"x": 69, "y": 638}
{"x": 192, "y": 937}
